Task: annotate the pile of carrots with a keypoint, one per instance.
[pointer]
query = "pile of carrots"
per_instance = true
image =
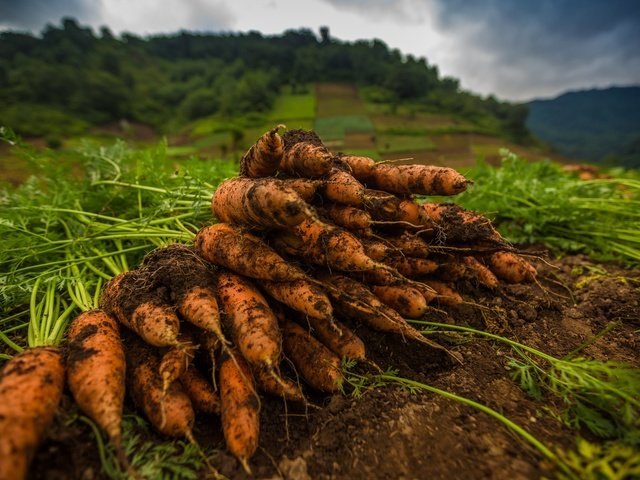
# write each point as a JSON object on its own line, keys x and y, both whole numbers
{"x": 305, "y": 241}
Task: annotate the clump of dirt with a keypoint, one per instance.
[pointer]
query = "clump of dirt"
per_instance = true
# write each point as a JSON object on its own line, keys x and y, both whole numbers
{"x": 389, "y": 432}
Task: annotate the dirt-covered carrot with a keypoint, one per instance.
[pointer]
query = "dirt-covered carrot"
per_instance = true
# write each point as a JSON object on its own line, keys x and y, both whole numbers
{"x": 96, "y": 372}
{"x": 511, "y": 267}
{"x": 302, "y": 296}
{"x": 264, "y": 157}
{"x": 31, "y": 386}
{"x": 384, "y": 206}
{"x": 177, "y": 359}
{"x": 456, "y": 224}
{"x": 259, "y": 203}
{"x": 190, "y": 282}
{"x": 361, "y": 167}
{"x": 411, "y": 267}
{"x": 407, "y": 301}
{"x": 341, "y": 187}
{"x": 306, "y": 188}
{"x": 409, "y": 244}
{"x": 201, "y": 392}
{"x": 129, "y": 298}
{"x": 446, "y": 293}
{"x": 171, "y": 413}
{"x": 253, "y": 325}
{"x": 452, "y": 269}
{"x": 354, "y": 300}
{"x": 378, "y": 250}
{"x": 316, "y": 363}
{"x": 239, "y": 408}
{"x": 243, "y": 253}
{"x": 337, "y": 337}
{"x": 485, "y": 276}
{"x": 304, "y": 155}
{"x": 348, "y": 217}
{"x": 282, "y": 387}
{"x": 418, "y": 179}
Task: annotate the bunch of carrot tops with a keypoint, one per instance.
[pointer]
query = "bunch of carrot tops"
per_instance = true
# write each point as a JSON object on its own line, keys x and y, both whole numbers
{"x": 307, "y": 245}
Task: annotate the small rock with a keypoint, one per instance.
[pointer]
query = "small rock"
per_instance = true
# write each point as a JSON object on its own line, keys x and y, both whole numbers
{"x": 295, "y": 469}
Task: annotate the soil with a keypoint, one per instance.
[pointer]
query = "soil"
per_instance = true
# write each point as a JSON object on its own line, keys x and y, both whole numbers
{"x": 388, "y": 432}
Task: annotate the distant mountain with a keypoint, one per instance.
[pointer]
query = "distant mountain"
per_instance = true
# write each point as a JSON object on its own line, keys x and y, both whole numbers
{"x": 592, "y": 125}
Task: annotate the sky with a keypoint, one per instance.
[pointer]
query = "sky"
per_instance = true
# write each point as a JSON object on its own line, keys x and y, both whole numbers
{"x": 515, "y": 49}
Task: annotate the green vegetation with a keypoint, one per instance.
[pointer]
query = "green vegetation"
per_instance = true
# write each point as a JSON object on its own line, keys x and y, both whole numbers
{"x": 594, "y": 125}
{"x": 71, "y": 73}
{"x": 334, "y": 128}
{"x": 541, "y": 203}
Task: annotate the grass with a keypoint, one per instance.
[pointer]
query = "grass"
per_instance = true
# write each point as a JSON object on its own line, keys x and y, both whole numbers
{"x": 335, "y": 99}
{"x": 335, "y": 128}
{"x": 403, "y": 143}
{"x": 290, "y": 107}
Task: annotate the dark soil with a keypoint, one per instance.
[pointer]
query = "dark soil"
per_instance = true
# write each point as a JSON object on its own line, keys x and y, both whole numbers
{"x": 391, "y": 433}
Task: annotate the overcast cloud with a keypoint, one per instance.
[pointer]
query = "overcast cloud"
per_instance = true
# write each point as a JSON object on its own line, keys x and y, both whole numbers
{"x": 513, "y": 48}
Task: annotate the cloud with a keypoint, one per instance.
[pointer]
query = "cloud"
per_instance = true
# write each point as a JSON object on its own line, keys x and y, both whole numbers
{"x": 525, "y": 49}
{"x": 407, "y": 11}
{"x": 34, "y": 14}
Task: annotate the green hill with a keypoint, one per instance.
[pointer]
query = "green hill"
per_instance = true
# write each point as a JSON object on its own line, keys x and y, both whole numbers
{"x": 593, "y": 125}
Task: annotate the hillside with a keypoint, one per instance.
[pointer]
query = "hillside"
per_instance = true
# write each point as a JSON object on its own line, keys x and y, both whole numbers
{"x": 594, "y": 125}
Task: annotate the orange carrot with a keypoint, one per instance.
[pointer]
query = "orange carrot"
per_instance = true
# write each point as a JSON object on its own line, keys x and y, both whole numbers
{"x": 410, "y": 245}
{"x": 130, "y": 300}
{"x": 96, "y": 372}
{"x": 455, "y": 224}
{"x": 176, "y": 360}
{"x": 306, "y": 188}
{"x": 171, "y": 413}
{"x": 31, "y": 386}
{"x": 407, "y": 301}
{"x": 446, "y": 294}
{"x": 452, "y": 269}
{"x": 485, "y": 276}
{"x": 239, "y": 408}
{"x": 418, "y": 179}
{"x": 202, "y": 394}
{"x": 348, "y": 217}
{"x": 341, "y": 187}
{"x": 246, "y": 254}
{"x": 282, "y": 387}
{"x": 253, "y": 325}
{"x": 361, "y": 167}
{"x": 337, "y": 337}
{"x": 316, "y": 363}
{"x": 259, "y": 203}
{"x": 302, "y": 296}
{"x": 411, "y": 267}
{"x": 264, "y": 157}
{"x": 304, "y": 155}
{"x": 511, "y": 268}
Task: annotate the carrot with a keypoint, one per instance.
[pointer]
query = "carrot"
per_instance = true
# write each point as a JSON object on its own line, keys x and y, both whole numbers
{"x": 511, "y": 268}
{"x": 316, "y": 363}
{"x": 337, "y": 337}
{"x": 388, "y": 207}
{"x": 171, "y": 413}
{"x": 253, "y": 325}
{"x": 330, "y": 246}
{"x": 418, "y": 179}
{"x": 282, "y": 387}
{"x": 407, "y": 301}
{"x": 202, "y": 394}
{"x": 31, "y": 386}
{"x": 130, "y": 300}
{"x": 361, "y": 167}
{"x": 302, "y": 296}
{"x": 455, "y": 224}
{"x": 306, "y": 188}
{"x": 263, "y": 158}
{"x": 446, "y": 294}
{"x": 231, "y": 247}
{"x": 96, "y": 372}
{"x": 377, "y": 250}
{"x": 341, "y": 187}
{"x": 348, "y": 217}
{"x": 176, "y": 360}
{"x": 239, "y": 408}
{"x": 411, "y": 267}
{"x": 354, "y": 300}
{"x": 304, "y": 155}
{"x": 452, "y": 269}
{"x": 259, "y": 203}
{"x": 485, "y": 276}
{"x": 410, "y": 245}
{"x": 190, "y": 282}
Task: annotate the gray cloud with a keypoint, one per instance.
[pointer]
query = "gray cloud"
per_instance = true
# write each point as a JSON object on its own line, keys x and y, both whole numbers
{"x": 34, "y": 14}
{"x": 533, "y": 48}
{"x": 408, "y": 11}
{"x": 209, "y": 16}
